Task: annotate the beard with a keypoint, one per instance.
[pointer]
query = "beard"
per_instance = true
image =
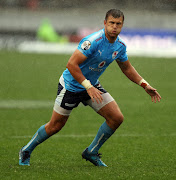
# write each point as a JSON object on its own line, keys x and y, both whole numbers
{"x": 112, "y": 35}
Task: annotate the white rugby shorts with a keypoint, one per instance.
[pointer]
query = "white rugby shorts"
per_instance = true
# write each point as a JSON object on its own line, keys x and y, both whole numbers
{"x": 67, "y": 100}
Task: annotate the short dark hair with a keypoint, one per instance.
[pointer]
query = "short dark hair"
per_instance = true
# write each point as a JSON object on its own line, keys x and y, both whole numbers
{"x": 114, "y": 13}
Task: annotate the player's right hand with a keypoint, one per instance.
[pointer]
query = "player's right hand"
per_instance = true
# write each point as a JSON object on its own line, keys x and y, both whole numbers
{"x": 95, "y": 95}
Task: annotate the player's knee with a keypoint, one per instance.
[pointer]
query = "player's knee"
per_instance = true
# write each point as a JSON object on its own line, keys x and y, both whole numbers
{"x": 119, "y": 118}
{"x": 116, "y": 120}
{"x": 56, "y": 126}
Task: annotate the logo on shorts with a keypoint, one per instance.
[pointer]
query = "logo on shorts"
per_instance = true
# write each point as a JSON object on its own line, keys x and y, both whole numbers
{"x": 86, "y": 45}
{"x": 102, "y": 64}
{"x": 114, "y": 54}
{"x": 70, "y": 105}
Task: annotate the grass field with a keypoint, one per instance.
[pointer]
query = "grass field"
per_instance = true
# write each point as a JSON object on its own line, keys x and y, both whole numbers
{"x": 144, "y": 147}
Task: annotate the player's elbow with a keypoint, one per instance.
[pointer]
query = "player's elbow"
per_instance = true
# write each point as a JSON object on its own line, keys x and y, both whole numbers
{"x": 70, "y": 66}
{"x": 73, "y": 67}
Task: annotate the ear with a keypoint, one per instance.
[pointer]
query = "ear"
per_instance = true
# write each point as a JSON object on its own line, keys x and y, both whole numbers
{"x": 105, "y": 22}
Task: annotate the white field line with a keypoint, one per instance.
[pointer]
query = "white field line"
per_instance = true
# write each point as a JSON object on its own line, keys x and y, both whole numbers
{"x": 25, "y": 104}
{"x": 32, "y": 104}
{"x": 93, "y": 135}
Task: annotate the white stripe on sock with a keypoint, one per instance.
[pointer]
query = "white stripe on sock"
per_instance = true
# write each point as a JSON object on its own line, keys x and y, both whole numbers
{"x": 97, "y": 142}
{"x": 31, "y": 141}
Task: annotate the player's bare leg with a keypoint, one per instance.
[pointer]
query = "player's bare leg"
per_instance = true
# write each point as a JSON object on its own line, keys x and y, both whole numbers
{"x": 56, "y": 123}
{"x": 111, "y": 112}
{"x": 113, "y": 115}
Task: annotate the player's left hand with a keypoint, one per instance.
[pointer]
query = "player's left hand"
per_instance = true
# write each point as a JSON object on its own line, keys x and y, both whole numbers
{"x": 153, "y": 93}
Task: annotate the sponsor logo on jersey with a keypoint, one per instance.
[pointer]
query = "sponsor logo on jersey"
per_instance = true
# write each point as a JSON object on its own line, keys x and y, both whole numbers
{"x": 114, "y": 54}
{"x": 102, "y": 64}
{"x": 86, "y": 45}
{"x": 99, "y": 69}
{"x": 95, "y": 69}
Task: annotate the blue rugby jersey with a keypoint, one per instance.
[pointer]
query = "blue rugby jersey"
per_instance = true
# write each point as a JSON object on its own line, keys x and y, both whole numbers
{"x": 100, "y": 53}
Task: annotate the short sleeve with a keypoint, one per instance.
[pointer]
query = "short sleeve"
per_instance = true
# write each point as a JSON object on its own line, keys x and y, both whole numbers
{"x": 123, "y": 56}
{"x": 86, "y": 47}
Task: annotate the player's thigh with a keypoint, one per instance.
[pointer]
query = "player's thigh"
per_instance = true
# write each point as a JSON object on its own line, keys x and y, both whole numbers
{"x": 64, "y": 104}
{"x": 111, "y": 112}
{"x": 107, "y": 98}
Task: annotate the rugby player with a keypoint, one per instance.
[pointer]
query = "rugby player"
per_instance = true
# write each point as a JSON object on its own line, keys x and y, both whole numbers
{"x": 79, "y": 83}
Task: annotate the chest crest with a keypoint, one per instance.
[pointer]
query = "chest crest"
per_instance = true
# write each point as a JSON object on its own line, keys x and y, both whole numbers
{"x": 114, "y": 54}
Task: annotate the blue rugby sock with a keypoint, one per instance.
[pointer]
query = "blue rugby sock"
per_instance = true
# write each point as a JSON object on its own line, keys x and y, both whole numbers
{"x": 103, "y": 134}
{"x": 38, "y": 138}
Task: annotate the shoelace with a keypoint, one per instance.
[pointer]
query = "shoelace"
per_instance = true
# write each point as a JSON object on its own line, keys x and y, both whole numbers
{"x": 99, "y": 155}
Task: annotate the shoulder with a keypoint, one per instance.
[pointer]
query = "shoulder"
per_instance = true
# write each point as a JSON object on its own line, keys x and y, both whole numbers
{"x": 91, "y": 42}
{"x": 121, "y": 42}
{"x": 122, "y": 50}
{"x": 94, "y": 38}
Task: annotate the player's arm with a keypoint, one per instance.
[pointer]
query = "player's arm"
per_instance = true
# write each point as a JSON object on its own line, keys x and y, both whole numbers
{"x": 133, "y": 75}
{"x": 73, "y": 66}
